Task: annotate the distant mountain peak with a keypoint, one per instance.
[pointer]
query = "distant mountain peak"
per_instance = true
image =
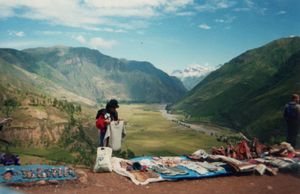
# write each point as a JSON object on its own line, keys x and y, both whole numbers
{"x": 193, "y": 74}
{"x": 194, "y": 70}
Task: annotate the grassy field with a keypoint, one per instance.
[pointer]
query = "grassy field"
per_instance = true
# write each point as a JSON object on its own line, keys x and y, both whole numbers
{"x": 148, "y": 133}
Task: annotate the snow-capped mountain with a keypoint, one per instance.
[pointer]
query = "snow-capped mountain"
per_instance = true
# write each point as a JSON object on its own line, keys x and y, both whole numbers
{"x": 193, "y": 74}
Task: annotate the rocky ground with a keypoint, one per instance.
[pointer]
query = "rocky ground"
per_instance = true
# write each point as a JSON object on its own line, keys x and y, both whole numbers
{"x": 111, "y": 183}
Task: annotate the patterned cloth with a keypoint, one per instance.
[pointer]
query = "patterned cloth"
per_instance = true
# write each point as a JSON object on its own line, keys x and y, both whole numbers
{"x": 33, "y": 173}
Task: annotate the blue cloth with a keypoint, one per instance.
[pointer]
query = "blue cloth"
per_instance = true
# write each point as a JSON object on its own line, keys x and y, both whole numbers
{"x": 191, "y": 174}
{"x": 18, "y": 173}
{"x": 194, "y": 175}
{"x": 8, "y": 191}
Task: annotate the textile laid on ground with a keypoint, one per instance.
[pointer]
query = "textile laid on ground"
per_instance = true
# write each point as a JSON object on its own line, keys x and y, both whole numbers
{"x": 242, "y": 151}
{"x": 144, "y": 170}
{"x": 103, "y": 160}
{"x": 121, "y": 166}
{"x": 114, "y": 134}
{"x": 9, "y": 159}
{"x": 8, "y": 191}
{"x": 232, "y": 160}
{"x": 239, "y": 166}
{"x": 33, "y": 173}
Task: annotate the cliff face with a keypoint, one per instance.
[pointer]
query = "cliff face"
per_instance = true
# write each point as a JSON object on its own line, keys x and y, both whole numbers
{"x": 36, "y": 136}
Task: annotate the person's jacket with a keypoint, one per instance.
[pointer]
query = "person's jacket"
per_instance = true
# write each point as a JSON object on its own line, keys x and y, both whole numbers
{"x": 100, "y": 122}
{"x": 292, "y": 112}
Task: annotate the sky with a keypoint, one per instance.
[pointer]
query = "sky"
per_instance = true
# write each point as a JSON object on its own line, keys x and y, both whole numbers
{"x": 171, "y": 34}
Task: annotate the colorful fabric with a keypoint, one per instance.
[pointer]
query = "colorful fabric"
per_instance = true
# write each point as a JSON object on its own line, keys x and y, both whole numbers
{"x": 8, "y": 191}
{"x": 182, "y": 171}
{"x": 33, "y": 173}
{"x": 120, "y": 167}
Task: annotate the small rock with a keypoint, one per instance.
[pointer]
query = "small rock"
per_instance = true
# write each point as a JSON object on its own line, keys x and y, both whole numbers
{"x": 53, "y": 182}
{"x": 83, "y": 180}
{"x": 83, "y": 177}
{"x": 80, "y": 173}
{"x": 270, "y": 187}
{"x": 99, "y": 185}
{"x": 42, "y": 182}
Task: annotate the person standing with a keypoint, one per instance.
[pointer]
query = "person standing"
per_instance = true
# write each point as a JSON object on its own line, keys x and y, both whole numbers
{"x": 104, "y": 117}
{"x": 292, "y": 118}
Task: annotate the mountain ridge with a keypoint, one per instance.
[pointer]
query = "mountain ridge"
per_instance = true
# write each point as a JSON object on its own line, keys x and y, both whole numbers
{"x": 234, "y": 94}
{"x": 98, "y": 77}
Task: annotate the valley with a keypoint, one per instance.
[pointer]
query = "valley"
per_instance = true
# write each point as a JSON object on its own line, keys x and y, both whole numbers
{"x": 55, "y": 101}
{"x": 148, "y": 133}
{"x": 249, "y": 92}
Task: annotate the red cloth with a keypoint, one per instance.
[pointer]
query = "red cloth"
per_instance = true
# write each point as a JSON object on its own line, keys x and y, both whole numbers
{"x": 101, "y": 124}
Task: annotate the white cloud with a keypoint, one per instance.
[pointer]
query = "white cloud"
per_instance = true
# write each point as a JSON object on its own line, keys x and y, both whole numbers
{"x": 187, "y": 13}
{"x": 80, "y": 39}
{"x": 219, "y": 20}
{"x": 249, "y": 3}
{"x": 89, "y": 14}
{"x": 106, "y": 29}
{"x": 95, "y": 42}
{"x": 204, "y": 26}
{"x": 227, "y": 19}
{"x": 98, "y": 42}
{"x": 49, "y": 33}
{"x": 16, "y": 33}
{"x": 262, "y": 11}
{"x": 281, "y": 12}
{"x": 213, "y": 5}
{"x": 241, "y": 9}
{"x": 21, "y": 44}
{"x": 174, "y": 5}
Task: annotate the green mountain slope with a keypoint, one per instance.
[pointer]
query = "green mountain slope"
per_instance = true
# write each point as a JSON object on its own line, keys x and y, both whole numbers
{"x": 249, "y": 92}
{"x": 91, "y": 74}
{"x": 13, "y": 73}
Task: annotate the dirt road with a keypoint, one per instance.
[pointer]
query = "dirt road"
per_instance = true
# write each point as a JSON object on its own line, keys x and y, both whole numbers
{"x": 114, "y": 184}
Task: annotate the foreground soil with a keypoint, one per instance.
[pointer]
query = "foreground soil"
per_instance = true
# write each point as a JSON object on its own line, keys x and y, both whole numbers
{"x": 112, "y": 183}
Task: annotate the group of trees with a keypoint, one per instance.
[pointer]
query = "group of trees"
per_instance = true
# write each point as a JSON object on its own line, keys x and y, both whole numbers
{"x": 69, "y": 107}
{"x": 9, "y": 105}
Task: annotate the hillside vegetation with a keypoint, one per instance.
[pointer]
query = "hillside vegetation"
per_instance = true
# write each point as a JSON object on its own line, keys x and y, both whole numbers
{"x": 89, "y": 75}
{"x": 249, "y": 92}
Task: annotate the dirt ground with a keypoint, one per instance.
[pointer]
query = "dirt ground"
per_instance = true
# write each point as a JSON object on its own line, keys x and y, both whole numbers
{"x": 114, "y": 184}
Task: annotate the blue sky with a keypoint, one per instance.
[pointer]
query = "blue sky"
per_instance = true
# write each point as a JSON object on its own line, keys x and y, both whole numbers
{"x": 171, "y": 34}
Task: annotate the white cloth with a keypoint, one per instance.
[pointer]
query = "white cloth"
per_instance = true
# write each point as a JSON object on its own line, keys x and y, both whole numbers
{"x": 103, "y": 160}
{"x": 121, "y": 171}
{"x": 194, "y": 166}
{"x": 114, "y": 134}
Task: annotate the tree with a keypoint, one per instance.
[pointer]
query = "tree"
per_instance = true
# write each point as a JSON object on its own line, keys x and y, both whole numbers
{"x": 78, "y": 108}
{"x": 9, "y": 105}
{"x": 55, "y": 102}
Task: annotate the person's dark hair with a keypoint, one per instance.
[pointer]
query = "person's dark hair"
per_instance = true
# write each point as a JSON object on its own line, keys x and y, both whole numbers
{"x": 100, "y": 112}
{"x": 295, "y": 97}
{"x": 113, "y": 103}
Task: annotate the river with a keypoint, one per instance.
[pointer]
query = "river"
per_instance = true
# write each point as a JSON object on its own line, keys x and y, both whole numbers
{"x": 202, "y": 127}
